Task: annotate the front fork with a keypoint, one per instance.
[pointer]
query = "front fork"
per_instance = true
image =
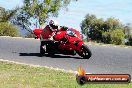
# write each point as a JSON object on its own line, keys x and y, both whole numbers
{"x": 79, "y": 47}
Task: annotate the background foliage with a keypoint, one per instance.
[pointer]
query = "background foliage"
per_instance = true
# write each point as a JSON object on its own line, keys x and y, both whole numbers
{"x": 33, "y": 13}
{"x": 6, "y": 28}
{"x": 110, "y": 31}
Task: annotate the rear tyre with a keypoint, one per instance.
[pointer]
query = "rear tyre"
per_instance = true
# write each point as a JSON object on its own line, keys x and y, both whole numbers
{"x": 50, "y": 48}
{"x": 85, "y": 52}
{"x": 42, "y": 48}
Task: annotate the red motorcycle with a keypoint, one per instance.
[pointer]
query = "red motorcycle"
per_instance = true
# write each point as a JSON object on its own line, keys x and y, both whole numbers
{"x": 68, "y": 42}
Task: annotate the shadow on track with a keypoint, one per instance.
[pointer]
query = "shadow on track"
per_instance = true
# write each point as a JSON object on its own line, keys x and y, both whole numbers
{"x": 52, "y": 56}
{"x": 30, "y": 54}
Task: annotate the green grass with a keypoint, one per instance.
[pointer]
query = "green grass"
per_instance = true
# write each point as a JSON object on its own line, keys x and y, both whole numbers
{"x": 24, "y": 76}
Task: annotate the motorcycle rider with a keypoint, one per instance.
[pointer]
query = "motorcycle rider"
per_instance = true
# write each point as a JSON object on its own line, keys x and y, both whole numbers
{"x": 49, "y": 31}
{"x": 46, "y": 36}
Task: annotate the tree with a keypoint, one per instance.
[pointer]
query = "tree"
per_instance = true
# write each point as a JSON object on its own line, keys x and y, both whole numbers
{"x": 128, "y": 33}
{"x": 30, "y": 35}
{"x": 92, "y": 27}
{"x": 117, "y": 36}
{"x": 40, "y": 10}
{"x": 87, "y": 23}
{"x": 111, "y": 24}
{"x": 128, "y": 30}
{"x": 98, "y": 29}
{"x": 22, "y": 20}
{"x": 106, "y": 37}
{"x": 36, "y": 12}
{"x": 8, "y": 29}
{"x": 129, "y": 41}
{"x": 5, "y": 15}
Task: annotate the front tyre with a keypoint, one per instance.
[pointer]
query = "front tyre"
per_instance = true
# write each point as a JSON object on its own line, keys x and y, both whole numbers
{"x": 85, "y": 52}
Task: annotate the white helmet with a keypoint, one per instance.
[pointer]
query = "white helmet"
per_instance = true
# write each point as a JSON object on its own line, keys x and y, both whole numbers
{"x": 53, "y": 25}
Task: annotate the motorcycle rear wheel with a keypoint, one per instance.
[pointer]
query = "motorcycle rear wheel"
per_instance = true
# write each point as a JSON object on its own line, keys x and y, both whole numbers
{"x": 42, "y": 50}
{"x": 85, "y": 52}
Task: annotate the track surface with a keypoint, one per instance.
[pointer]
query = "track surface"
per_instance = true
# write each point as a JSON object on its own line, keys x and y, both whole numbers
{"x": 105, "y": 59}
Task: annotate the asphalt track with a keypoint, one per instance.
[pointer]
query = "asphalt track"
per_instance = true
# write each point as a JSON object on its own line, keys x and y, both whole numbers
{"x": 105, "y": 59}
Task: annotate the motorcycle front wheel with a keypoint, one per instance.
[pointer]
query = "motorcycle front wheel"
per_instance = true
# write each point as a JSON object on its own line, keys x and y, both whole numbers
{"x": 85, "y": 52}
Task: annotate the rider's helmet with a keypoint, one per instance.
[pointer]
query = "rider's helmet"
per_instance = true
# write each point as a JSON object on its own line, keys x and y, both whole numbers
{"x": 53, "y": 24}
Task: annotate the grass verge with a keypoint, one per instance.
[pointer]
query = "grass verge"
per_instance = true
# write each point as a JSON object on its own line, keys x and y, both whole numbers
{"x": 25, "y": 76}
